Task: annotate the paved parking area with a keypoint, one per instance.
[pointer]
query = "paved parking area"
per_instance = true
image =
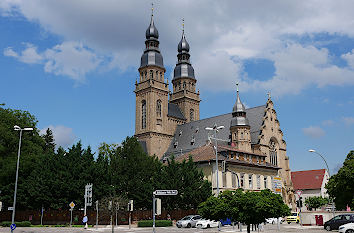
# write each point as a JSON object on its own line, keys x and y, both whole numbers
{"x": 125, "y": 229}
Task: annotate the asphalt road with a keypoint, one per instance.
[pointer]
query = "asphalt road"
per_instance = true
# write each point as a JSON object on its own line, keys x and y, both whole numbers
{"x": 125, "y": 229}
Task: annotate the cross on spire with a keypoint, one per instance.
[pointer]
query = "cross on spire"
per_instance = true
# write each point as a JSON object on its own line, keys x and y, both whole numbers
{"x": 268, "y": 93}
{"x": 237, "y": 87}
{"x": 183, "y": 25}
{"x": 152, "y": 9}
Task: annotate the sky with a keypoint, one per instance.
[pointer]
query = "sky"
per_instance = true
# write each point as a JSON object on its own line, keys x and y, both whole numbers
{"x": 73, "y": 65}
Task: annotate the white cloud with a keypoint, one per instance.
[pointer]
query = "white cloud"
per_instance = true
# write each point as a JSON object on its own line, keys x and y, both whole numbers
{"x": 218, "y": 32}
{"x": 63, "y": 135}
{"x": 314, "y": 132}
{"x": 349, "y": 57}
{"x": 71, "y": 59}
{"x": 348, "y": 120}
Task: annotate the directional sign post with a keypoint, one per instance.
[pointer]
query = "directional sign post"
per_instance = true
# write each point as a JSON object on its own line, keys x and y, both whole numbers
{"x": 159, "y": 193}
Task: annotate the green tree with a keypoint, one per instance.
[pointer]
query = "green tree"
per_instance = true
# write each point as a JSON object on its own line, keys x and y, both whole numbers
{"x": 246, "y": 207}
{"x": 340, "y": 186}
{"x": 316, "y": 202}
{"x": 49, "y": 144}
{"x": 31, "y": 149}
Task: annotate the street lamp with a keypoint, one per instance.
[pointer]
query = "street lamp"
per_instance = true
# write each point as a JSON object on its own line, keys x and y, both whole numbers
{"x": 313, "y": 151}
{"x": 216, "y": 129}
{"x": 17, "y": 128}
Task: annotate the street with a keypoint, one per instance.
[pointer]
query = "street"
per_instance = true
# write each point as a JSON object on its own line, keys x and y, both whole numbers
{"x": 125, "y": 229}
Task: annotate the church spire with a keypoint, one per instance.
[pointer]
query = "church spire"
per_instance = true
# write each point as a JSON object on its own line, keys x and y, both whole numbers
{"x": 239, "y": 112}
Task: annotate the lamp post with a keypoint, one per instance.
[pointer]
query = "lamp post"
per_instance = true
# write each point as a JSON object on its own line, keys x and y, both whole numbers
{"x": 313, "y": 151}
{"x": 17, "y": 128}
{"x": 216, "y": 129}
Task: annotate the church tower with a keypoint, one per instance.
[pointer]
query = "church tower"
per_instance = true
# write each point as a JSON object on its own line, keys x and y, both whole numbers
{"x": 184, "y": 83}
{"x": 151, "y": 121}
{"x": 240, "y": 127}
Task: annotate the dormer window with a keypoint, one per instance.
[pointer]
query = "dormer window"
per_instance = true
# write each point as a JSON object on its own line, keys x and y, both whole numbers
{"x": 180, "y": 133}
{"x": 193, "y": 141}
{"x": 197, "y": 130}
{"x": 175, "y": 144}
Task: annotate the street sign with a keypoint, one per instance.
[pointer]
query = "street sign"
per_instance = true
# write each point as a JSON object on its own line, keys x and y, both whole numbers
{"x": 158, "y": 206}
{"x": 10, "y": 208}
{"x": 165, "y": 192}
{"x": 277, "y": 185}
{"x": 88, "y": 194}
{"x": 13, "y": 226}
{"x": 299, "y": 193}
{"x": 72, "y": 205}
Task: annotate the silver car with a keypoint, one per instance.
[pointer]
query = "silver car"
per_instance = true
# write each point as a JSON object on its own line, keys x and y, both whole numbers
{"x": 188, "y": 221}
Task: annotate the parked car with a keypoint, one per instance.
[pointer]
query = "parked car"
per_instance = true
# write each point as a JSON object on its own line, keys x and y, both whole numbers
{"x": 294, "y": 217}
{"x": 188, "y": 221}
{"x": 207, "y": 223}
{"x": 337, "y": 221}
{"x": 347, "y": 228}
{"x": 274, "y": 220}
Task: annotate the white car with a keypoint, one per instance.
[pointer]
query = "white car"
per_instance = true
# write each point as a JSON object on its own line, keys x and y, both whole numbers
{"x": 347, "y": 228}
{"x": 188, "y": 221}
{"x": 274, "y": 220}
{"x": 207, "y": 223}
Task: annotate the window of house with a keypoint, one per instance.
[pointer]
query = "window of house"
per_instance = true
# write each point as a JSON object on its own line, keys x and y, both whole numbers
{"x": 258, "y": 182}
{"x": 191, "y": 114}
{"x": 257, "y": 159}
{"x": 242, "y": 179}
{"x": 234, "y": 180}
{"x": 158, "y": 108}
{"x": 250, "y": 183}
{"x": 143, "y": 114}
{"x": 224, "y": 184}
{"x": 265, "y": 182}
{"x": 273, "y": 153}
{"x": 157, "y": 75}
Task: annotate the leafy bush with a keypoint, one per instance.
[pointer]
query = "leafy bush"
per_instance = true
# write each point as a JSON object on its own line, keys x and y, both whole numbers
{"x": 158, "y": 223}
{"x": 18, "y": 224}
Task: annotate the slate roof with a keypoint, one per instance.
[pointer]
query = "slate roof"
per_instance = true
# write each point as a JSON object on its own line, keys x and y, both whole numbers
{"x": 196, "y": 129}
{"x": 311, "y": 179}
{"x": 174, "y": 111}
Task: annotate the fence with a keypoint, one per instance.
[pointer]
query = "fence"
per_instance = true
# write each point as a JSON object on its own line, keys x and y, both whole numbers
{"x": 55, "y": 217}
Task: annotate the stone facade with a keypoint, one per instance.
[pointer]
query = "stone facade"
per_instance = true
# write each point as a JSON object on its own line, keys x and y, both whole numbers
{"x": 168, "y": 123}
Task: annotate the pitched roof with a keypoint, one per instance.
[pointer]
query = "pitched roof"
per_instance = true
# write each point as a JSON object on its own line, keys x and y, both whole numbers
{"x": 311, "y": 179}
{"x": 196, "y": 129}
{"x": 207, "y": 153}
{"x": 174, "y": 111}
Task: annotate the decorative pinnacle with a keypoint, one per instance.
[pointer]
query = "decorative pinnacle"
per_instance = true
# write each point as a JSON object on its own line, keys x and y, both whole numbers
{"x": 152, "y": 9}
{"x": 183, "y": 25}
{"x": 268, "y": 94}
{"x": 237, "y": 87}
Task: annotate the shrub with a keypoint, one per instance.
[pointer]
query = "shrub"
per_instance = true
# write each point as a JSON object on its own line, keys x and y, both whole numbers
{"x": 18, "y": 224}
{"x": 158, "y": 223}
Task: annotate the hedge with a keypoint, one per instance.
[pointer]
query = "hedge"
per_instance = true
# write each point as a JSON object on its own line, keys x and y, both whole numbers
{"x": 158, "y": 223}
{"x": 18, "y": 224}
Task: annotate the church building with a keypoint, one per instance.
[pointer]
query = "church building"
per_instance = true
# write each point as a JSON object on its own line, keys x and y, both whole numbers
{"x": 249, "y": 142}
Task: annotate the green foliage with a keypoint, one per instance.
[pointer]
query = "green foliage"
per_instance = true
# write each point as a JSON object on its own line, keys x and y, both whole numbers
{"x": 246, "y": 207}
{"x": 316, "y": 202}
{"x": 158, "y": 223}
{"x": 340, "y": 186}
{"x": 18, "y": 224}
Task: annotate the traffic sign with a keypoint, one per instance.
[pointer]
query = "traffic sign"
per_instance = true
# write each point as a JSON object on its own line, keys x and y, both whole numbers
{"x": 72, "y": 205}
{"x": 10, "y": 208}
{"x": 13, "y": 226}
{"x": 166, "y": 192}
{"x": 299, "y": 192}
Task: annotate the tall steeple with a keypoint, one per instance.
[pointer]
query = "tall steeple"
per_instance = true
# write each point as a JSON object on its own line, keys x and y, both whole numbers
{"x": 151, "y": 92}
{"x": 184, "y": 82}
{"x": 239, "y": 126}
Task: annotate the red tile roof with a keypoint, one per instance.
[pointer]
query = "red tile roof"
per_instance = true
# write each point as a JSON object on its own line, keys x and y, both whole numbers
{"x": 311, "y": 179}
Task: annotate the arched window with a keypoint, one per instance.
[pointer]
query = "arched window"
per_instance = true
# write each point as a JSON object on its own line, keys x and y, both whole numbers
{"x": 143, "y": 114}
{"x": 191, "y": 114}
{"x": 157, "y": 75}
{"x": 273, "y": 153}
{"x": 184, "y": 85}
{"x": 158, "y": 108}
{"x": 161, "y": 76}
{"x": 151, "y": 74}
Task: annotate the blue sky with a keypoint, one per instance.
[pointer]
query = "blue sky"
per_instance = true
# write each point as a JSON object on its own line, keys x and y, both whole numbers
{"x": 73, "y": 65}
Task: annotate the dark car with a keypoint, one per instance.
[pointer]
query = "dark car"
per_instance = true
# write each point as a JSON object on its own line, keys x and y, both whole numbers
{"x": 337, "y": 221}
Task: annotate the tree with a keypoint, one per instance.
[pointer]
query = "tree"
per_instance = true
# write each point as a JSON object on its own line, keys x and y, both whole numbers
{"x": 340, "y": 186}
{"x": 49, "y": 144}
{"x": 246, "y": 207}
{"x": 316, "y": 202}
